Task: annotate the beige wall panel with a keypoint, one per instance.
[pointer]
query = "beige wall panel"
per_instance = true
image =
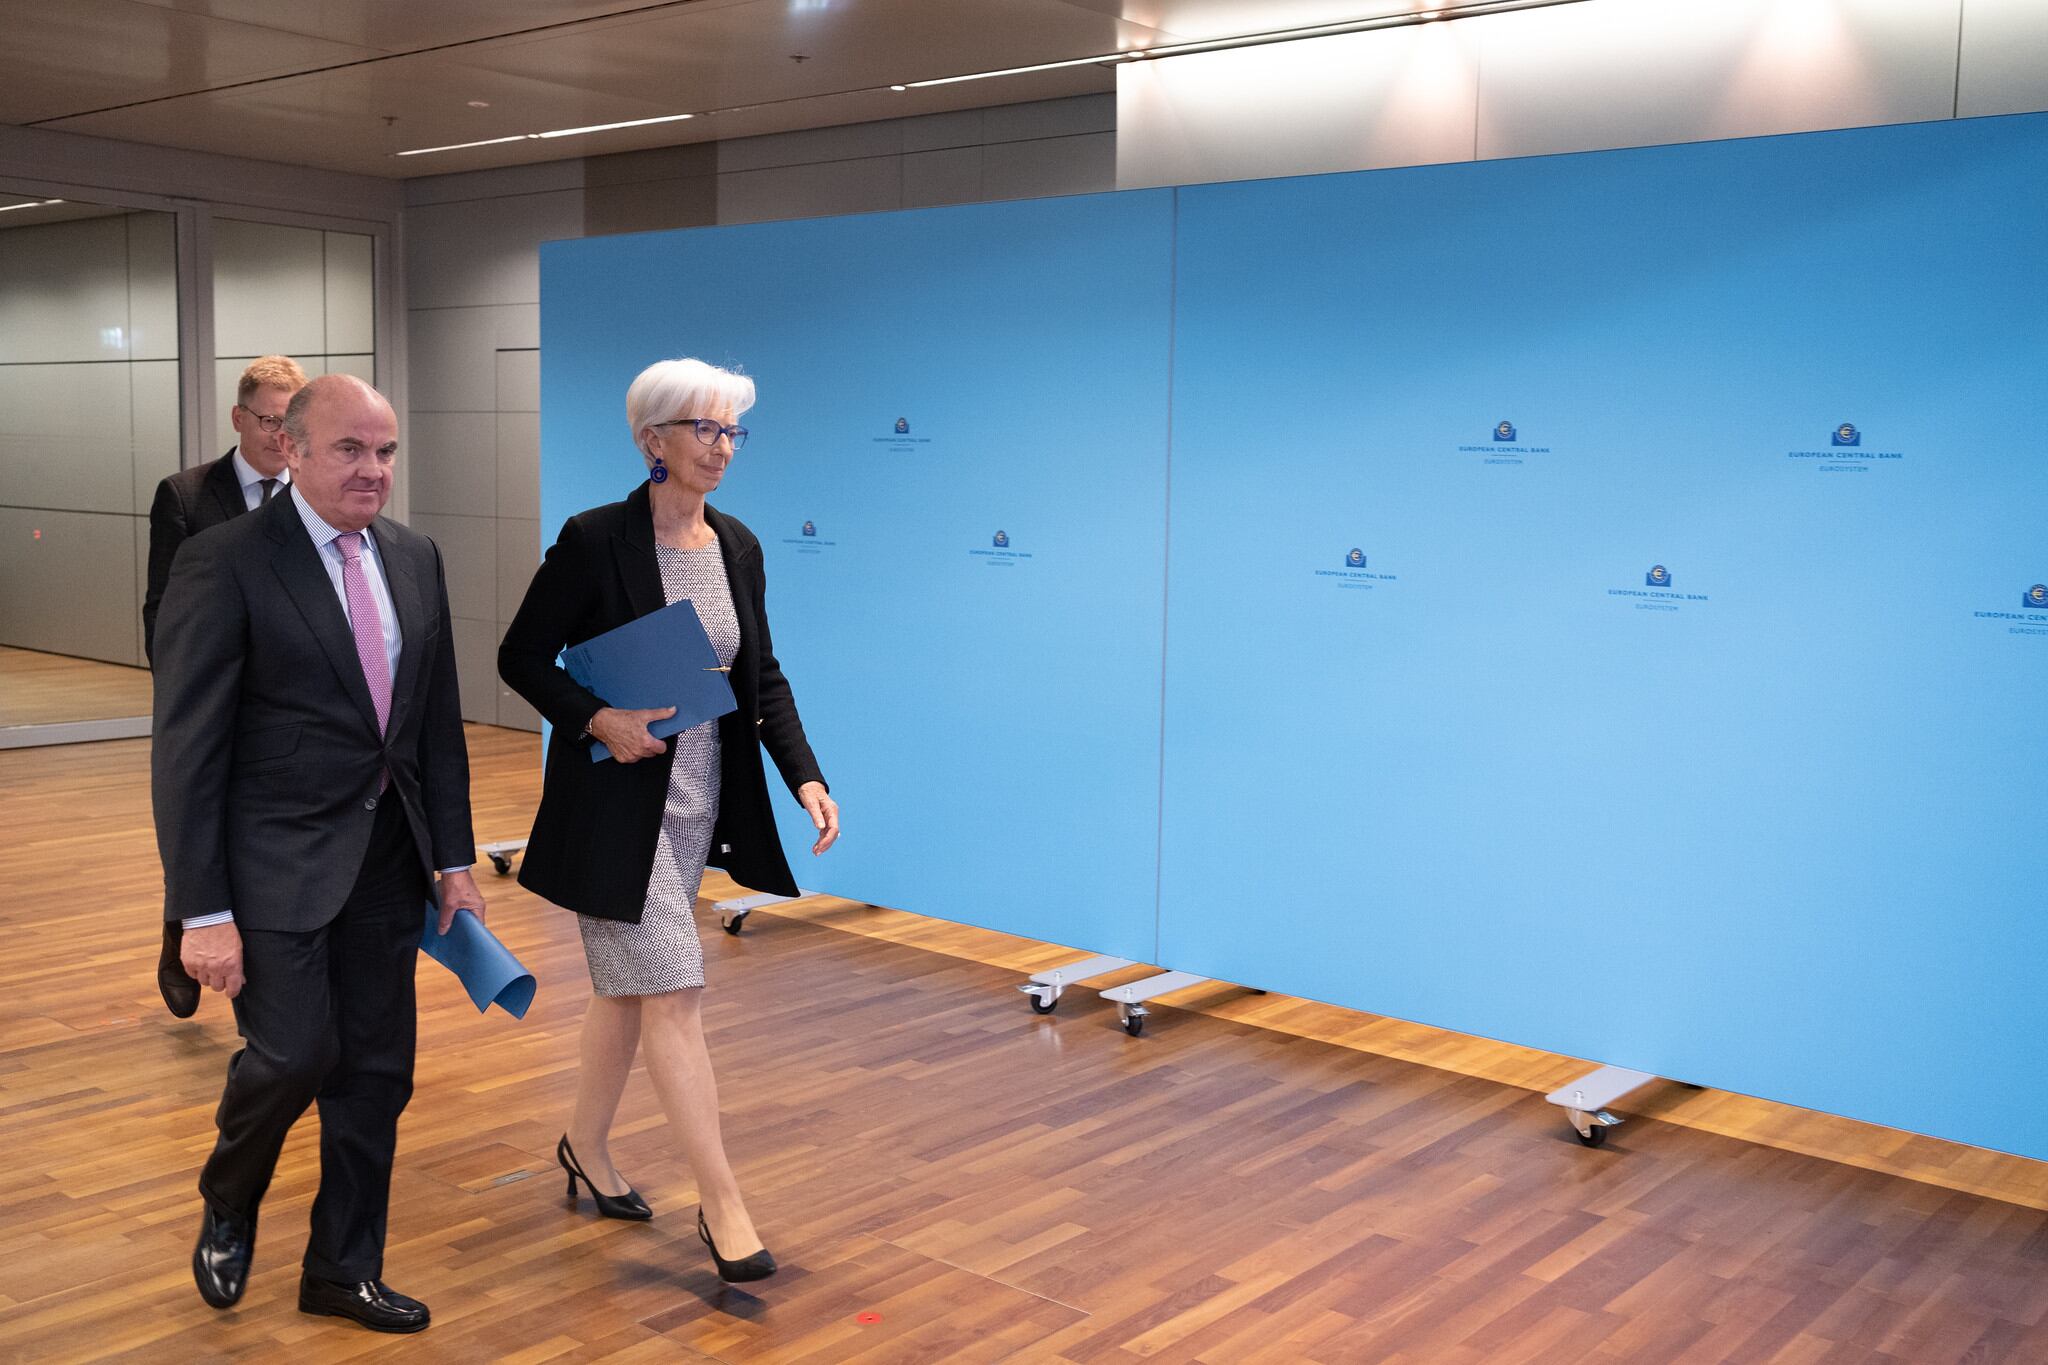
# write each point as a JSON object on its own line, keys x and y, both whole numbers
{"x": 1050, "y": 118}
{"x": 476, "y": 672}
{"x": 519, "y": 551}
{"x": 64, "y": 438}
{"x": 1404, "y": 97}
{"x": 650, "y": 205}
{"x": 1057, "y": 165}
{"x": 469, "y": 558}
{"x": 269, "y": 290}
{"x": 152, "y": 286}
{"x": 2005, "y": 58}
{"x": 452, "y": 362}
{"x": 519, "y": 381}
{"x": 64, "y": 292}
{"x": 514, "y": 713}
{"x": 518, "y": 458}
{"x": 1638, "y": 73}
{"x": 486, "y": 251}
{"x": 451, "y": 459}
{"x": 73, "y": 590}
{"x": 851, "y": 142}
{"x": 153, "y": 427}
{"x": 948, "y": 176}
{"x": 351, "y": 293}
{"x": 363, "y": 367}
{"x": 811, "y": 191}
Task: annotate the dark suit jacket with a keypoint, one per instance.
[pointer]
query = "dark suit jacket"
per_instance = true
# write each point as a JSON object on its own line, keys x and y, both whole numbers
{"x": 594, "y": 837}
{"x": 265, "y": 758}
{"x": 187, "y": 502}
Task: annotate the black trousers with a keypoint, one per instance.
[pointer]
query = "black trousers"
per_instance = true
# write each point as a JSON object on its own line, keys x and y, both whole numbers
{"x": 328, "y": 1015}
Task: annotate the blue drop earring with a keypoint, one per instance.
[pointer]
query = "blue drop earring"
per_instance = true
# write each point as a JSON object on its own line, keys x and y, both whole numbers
{"x": 660, "y": 471}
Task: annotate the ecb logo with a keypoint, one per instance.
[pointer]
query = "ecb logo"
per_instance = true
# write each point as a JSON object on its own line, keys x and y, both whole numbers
{"x": 1355, "y": 560}
{"x": 2036, "y": 597}
{"x": 1847, "y": 435}
{"x": 902, "y": 426}
{"x": 810, "y": 528}
{"x": 1002, "y": 540}
{"x": 1504, "y": 432}
{"x": 1657, "y": 577}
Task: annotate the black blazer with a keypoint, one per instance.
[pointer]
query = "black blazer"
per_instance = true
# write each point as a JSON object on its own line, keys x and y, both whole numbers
{"x": 187, "y": 502}
{"x": 265, "y": 757}
{"x": 593, "y": 839}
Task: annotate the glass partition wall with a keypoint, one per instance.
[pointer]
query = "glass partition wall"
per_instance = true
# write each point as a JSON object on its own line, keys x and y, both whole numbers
{"x": 302, "y": 292}
{"x": 96, "y": 409}
{"x": 89, "y": 422}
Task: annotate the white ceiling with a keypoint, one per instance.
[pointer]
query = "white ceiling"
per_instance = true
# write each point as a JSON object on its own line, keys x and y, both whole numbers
{"x": 345, "y": 84}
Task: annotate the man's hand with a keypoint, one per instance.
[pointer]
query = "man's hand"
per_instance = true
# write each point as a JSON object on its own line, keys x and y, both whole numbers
{"x": 457, "y": 891}
{"x": 625, "y": 732}
{"x": 824, "y": 812}
{"x": 213, "y": 957}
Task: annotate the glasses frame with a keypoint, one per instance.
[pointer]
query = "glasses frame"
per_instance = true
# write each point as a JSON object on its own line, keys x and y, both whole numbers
{"x": 271, "y": 425}
{"x": 736, "y": 434}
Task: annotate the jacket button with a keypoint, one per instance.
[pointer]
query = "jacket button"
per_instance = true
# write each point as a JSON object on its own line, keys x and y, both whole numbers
{"x": 370, "y": 804}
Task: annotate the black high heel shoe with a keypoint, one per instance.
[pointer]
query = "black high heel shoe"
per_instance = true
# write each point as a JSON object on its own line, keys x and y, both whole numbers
{"x": 629, "y": 1206}
{"x": 758, "y": 1266}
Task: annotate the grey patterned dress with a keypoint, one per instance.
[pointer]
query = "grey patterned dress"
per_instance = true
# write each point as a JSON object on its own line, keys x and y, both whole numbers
{"x": 661, "y": 953}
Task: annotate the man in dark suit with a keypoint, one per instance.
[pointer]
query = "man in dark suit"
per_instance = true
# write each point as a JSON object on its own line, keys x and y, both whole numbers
{"x": 188, "y": 502}
{"x": 309, "y": 776}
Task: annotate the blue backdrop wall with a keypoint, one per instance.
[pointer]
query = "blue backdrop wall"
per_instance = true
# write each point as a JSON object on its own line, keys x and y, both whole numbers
{"x": 1595, "y": 606}
{"x": 930, "y": 382}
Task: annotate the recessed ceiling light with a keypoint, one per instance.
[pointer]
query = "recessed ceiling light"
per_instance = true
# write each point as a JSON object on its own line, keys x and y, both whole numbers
{"x": 479, "y": 104}
{"x": 31, "y": 204}
{"x": 899, "y": 89}
{"x": 551, "y": 133}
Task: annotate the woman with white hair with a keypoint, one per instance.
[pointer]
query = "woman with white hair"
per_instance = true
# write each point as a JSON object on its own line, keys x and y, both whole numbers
{"x": 624, "y": 844}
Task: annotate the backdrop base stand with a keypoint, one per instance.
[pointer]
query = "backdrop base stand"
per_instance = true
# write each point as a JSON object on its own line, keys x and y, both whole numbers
{"x": 732, "y": 914}
{"x": 1585, "y": 1100}
{"x": 501, "y": 853}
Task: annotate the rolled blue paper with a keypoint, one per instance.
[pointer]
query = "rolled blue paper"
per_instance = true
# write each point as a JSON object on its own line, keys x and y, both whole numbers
{"x": 486, "y": 967}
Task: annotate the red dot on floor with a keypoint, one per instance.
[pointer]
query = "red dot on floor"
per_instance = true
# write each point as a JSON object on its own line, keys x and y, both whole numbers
{"x": 869, "y": 1318}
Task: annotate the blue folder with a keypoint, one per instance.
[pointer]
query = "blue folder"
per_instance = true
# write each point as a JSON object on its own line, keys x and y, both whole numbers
{"x": 661, "y": 659}
{"x": 486, "y": 967}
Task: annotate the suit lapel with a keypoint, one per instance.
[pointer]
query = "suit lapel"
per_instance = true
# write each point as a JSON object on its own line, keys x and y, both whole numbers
{"x": 412, "y": 617}
{"x": 226, "y": 488}
{"x": 633, "y": 548}
{"x": 298, "y": 567}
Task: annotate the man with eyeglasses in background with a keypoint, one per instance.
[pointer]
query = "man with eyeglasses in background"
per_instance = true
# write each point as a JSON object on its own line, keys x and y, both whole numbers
{"x": 189, "y": 502}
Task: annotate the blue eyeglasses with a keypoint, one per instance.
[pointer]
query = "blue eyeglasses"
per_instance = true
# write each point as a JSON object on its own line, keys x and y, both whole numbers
{"x": 708, "y": 431}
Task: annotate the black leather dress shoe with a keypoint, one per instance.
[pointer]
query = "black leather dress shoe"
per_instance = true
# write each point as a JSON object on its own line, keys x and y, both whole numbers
{"x": 369, "y": 1302}
{"x": 181, "y": 992}
{"x": 220, "y": 1263}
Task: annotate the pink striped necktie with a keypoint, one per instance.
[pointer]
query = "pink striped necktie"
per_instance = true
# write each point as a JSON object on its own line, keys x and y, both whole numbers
{"x": 367, "y": 624}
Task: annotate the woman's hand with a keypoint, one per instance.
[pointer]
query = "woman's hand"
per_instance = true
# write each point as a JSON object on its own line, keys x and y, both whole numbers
{"x": 625, "y": 732}
{"x": 824, "y": 813}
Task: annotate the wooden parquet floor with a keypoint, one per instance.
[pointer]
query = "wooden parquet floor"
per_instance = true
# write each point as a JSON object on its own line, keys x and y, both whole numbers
{"x": 47, "y": 689}
{"x": 945, "y": 1177}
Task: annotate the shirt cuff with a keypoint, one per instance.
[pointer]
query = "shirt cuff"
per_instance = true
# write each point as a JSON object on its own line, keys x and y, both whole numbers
{"x": 464, "y": 868}
{"x": 217, "y": 917}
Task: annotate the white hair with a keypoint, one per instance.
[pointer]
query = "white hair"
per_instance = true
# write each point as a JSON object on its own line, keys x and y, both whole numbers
{"x": 669, "y": 389}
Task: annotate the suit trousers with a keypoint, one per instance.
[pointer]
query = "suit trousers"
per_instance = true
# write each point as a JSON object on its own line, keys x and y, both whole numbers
{"x": 328, "y": 1015}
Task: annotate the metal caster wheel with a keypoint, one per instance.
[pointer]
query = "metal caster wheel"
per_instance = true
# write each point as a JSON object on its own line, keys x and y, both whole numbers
{"x": 1134, "y": 1024}
{"x": 734, "y": 925}
{"x": 1592, "y": 1137}
{"x": 502, "y": 863}
{"x": 1043, "y": 1006}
